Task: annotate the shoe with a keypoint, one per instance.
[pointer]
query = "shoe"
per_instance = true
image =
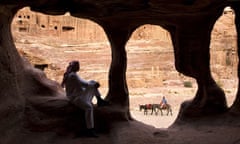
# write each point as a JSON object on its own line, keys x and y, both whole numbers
{"x": 101, "y": 102}
{"x": 91, "y": 133}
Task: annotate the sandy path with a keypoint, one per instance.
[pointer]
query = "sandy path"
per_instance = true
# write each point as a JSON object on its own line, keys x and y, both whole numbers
{"x": 157, "y": 121}
{"x": 174, "y": 95}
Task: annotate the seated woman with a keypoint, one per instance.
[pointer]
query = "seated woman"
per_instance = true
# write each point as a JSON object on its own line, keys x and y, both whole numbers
{"x": 80, "y": 92}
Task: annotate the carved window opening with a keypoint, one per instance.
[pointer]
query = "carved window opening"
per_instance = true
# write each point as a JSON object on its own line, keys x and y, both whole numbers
{"x": 67, "y": 28}
{"x": 223, "y": 50}
{"x": 22, "y": 29}
{"x": 20, "y": 22}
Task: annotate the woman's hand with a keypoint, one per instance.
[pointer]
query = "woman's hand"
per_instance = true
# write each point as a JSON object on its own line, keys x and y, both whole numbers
{"x": 97, "y": 85}
{"x": 94, "y": 83}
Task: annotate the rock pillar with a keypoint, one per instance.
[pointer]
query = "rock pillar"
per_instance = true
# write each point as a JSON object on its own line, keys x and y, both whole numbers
{"x": 118, "y": 90}
{"x": 11, "y": 101}
{"x": 235, "y": 108}
{"x": 191, "y": 42}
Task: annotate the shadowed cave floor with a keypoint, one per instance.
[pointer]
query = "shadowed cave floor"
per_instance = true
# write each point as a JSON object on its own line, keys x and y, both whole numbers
{"x": 208, "y": 130}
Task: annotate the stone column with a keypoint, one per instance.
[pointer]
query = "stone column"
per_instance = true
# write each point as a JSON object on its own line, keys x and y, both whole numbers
{"x": 11, "y": 101}
{"x": 235, "y": 108}
{"x": 191, "y": 40}
{"x": 118, "y": 89}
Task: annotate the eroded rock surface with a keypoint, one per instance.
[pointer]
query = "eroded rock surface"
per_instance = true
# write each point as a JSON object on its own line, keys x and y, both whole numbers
{"x": 28, "y": 98}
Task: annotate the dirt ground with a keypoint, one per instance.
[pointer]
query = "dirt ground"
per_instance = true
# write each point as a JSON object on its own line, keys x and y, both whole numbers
{"x": 175, "y": 96}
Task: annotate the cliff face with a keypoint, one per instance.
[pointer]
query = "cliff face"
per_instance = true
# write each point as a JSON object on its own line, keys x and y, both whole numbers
{"x": 29, "y": 98}
{"x": 72, "y": 29}
{"x": 150, "y": 41}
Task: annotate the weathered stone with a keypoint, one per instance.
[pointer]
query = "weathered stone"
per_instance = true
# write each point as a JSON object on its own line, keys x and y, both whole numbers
{"x": 24, "y": 89}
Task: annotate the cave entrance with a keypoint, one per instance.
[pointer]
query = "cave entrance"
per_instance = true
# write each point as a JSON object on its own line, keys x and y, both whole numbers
{"x": 51, "y": 42}
{"x": 151, "y": 74}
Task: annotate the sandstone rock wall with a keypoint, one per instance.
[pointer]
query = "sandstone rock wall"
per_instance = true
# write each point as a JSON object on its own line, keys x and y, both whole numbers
{"x": 224, "y": 47}
{"x": 70, "y": 28}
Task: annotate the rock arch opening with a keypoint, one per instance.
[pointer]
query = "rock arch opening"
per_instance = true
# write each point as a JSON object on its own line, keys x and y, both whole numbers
{"x": 51, "y": 27}
{"x": 151, "y": 74}
{"x": 51, "y": 49}
{"x": 224, "y": 57}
